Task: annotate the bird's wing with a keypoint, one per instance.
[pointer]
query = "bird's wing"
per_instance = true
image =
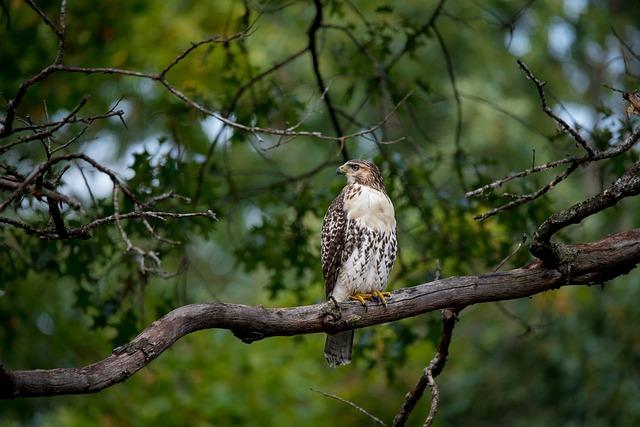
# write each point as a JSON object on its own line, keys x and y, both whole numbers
{"x": 333, "y": 233}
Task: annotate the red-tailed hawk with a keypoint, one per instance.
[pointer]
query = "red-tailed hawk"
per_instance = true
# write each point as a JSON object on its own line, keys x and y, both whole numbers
{"x": 358, "y": 246}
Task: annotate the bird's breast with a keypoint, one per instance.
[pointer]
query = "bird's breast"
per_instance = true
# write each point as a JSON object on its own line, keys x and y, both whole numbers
{"x": 370, "y": 207}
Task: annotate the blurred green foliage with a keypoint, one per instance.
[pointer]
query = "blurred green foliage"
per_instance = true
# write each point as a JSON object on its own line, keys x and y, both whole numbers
{"x": 68, "y": 303}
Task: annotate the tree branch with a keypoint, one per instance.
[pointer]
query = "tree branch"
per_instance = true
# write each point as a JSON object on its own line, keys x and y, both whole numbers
{"x": 313, "y": 49}
{"x": 435, "y": 367}
{"x": 555, "y": 254}
{"x": 549, "y": 112}
{"x": 594, "y": 263}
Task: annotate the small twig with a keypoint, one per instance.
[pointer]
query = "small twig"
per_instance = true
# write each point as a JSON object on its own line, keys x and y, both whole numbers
{"x": 498, "y": 183}
{"x": 61, "y": 32}
{"x": 41, "y": 169}
{"x": 527, "y": 328}
{"x": 45, "y": 18}
{"x": 625, "y": 44}
{"x": 208, "y": 40}
{"x": 411, "y": 40}
{"x": 525, "y": 198}
{"x": 340, "y": 399}
{"x": 435, "y": 394}
{"x": 69, "y": 118}
{"x": 515, "y": 251}
{"x": 50, "y": 194}
{"x": 549, "y": 112}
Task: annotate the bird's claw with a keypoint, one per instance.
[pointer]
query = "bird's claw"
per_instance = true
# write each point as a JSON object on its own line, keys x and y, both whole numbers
{"x": 380, "y": 296}
{"x": 362, "y": 298}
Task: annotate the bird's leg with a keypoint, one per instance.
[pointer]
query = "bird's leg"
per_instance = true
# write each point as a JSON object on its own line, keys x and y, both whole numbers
{"x": 381, "y": 296}
{"x": 362, "y": 298}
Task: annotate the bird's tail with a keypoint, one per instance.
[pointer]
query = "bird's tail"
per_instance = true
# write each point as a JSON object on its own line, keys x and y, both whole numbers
{"x": 337, "y": 348}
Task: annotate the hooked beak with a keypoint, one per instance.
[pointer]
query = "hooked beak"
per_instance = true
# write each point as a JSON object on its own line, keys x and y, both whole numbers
{"x": 341, "y": 170}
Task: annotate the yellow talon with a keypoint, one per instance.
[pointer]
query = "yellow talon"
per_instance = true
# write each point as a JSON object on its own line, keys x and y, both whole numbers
{"x": 362, "y": 298}
{"x": 381, "y": 296}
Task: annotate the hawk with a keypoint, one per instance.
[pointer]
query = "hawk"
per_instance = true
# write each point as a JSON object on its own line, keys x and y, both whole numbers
{"x": 358, "y": 247}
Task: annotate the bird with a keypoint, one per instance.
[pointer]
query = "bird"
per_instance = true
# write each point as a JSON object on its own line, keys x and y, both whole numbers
{"x": 358, "y": 247}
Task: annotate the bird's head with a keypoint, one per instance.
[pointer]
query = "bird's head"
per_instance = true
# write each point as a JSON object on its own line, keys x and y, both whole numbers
{"x": 361, "y": 172}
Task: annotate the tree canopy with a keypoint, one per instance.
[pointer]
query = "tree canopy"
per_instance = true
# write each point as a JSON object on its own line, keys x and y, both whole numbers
{"x": 176, "y": 158}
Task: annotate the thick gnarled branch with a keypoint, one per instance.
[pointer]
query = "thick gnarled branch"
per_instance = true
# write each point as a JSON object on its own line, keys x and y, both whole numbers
{"x": 594, "y": 263}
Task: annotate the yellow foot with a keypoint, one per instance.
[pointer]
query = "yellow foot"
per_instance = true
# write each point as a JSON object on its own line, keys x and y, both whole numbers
{"x": 362, "y": 298}
{"x": 381, "y": 296}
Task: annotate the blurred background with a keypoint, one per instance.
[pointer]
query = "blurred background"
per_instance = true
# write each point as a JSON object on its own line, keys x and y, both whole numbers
{"x": 569, "y": 357}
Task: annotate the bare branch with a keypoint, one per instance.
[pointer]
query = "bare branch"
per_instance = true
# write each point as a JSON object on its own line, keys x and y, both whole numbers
{"x": 348, "y": 402}
{"x": 594, "y": 263}
{"x": 53, "y": 128}
{"x": 549, "y": 112}
{"x": 40, "y": 170}
{"x": 435, "y": 367}
{"x": 555, "y": 254}
{"x": 50, "y": 194}
{"x": 411, "y": 40}
{"x": 61, "y": 32}
{"x": 313, "y": 50}
{"x": 525, "y": 198}
{"x": 498, "y": 183}
{"x": 45, "y": 18}
{"x": 574, "y": 163}
{"x": 625, "y": 44}
{"x": 456, "y": 96}
{"x": 208, "y": 40}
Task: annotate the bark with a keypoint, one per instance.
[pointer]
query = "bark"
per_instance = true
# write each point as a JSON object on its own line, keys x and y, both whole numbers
{"x": 591, "y": 263}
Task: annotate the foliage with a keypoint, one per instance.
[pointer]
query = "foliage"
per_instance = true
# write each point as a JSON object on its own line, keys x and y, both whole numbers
{"x": 473, "y": 117}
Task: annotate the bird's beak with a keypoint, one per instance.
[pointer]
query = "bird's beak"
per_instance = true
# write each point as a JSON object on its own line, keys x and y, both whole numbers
{"x": 342, "y": 170}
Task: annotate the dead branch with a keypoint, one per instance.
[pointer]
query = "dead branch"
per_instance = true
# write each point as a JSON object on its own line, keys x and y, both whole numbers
{"x": 316, "y": 24}
{"x": 353, "y": 405}
{"x": 574, "y": 163}
{"x": 549, "y": 112}
{"x": 594, "y": 263}
{"x": 435, "y": 367}
{"x": 556, "y": 254}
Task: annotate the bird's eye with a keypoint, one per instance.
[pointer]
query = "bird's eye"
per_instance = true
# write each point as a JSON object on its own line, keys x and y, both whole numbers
{"x": 355, "y": 167}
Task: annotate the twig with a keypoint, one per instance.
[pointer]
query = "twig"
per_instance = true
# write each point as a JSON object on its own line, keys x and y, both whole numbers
{"x": 435, "y": 367}
{"x": 525, "y": 198}
{"x": 340, "y": 399}
{"x": 45, "y": 18}
{"x": 208, "y": 40}
{"x": 625, "y": 44}
{"x": 549, "y": 112}
{"x": 458, "y": 154}
{"x": 515, "y": 251}
{"x": 313, "y": 50}
{"x": 574, "y": 162}
{"x": 44, "y": 167}
{"x": 50, "y": 194}
{"x": 411, "y": 40}
{"x": 498, "y": 183}
{"x": 435, "y": 394}
{"x": 61, "y": 32}
{"x": 527, "y": 328}
{"x": 555, "y": 254}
